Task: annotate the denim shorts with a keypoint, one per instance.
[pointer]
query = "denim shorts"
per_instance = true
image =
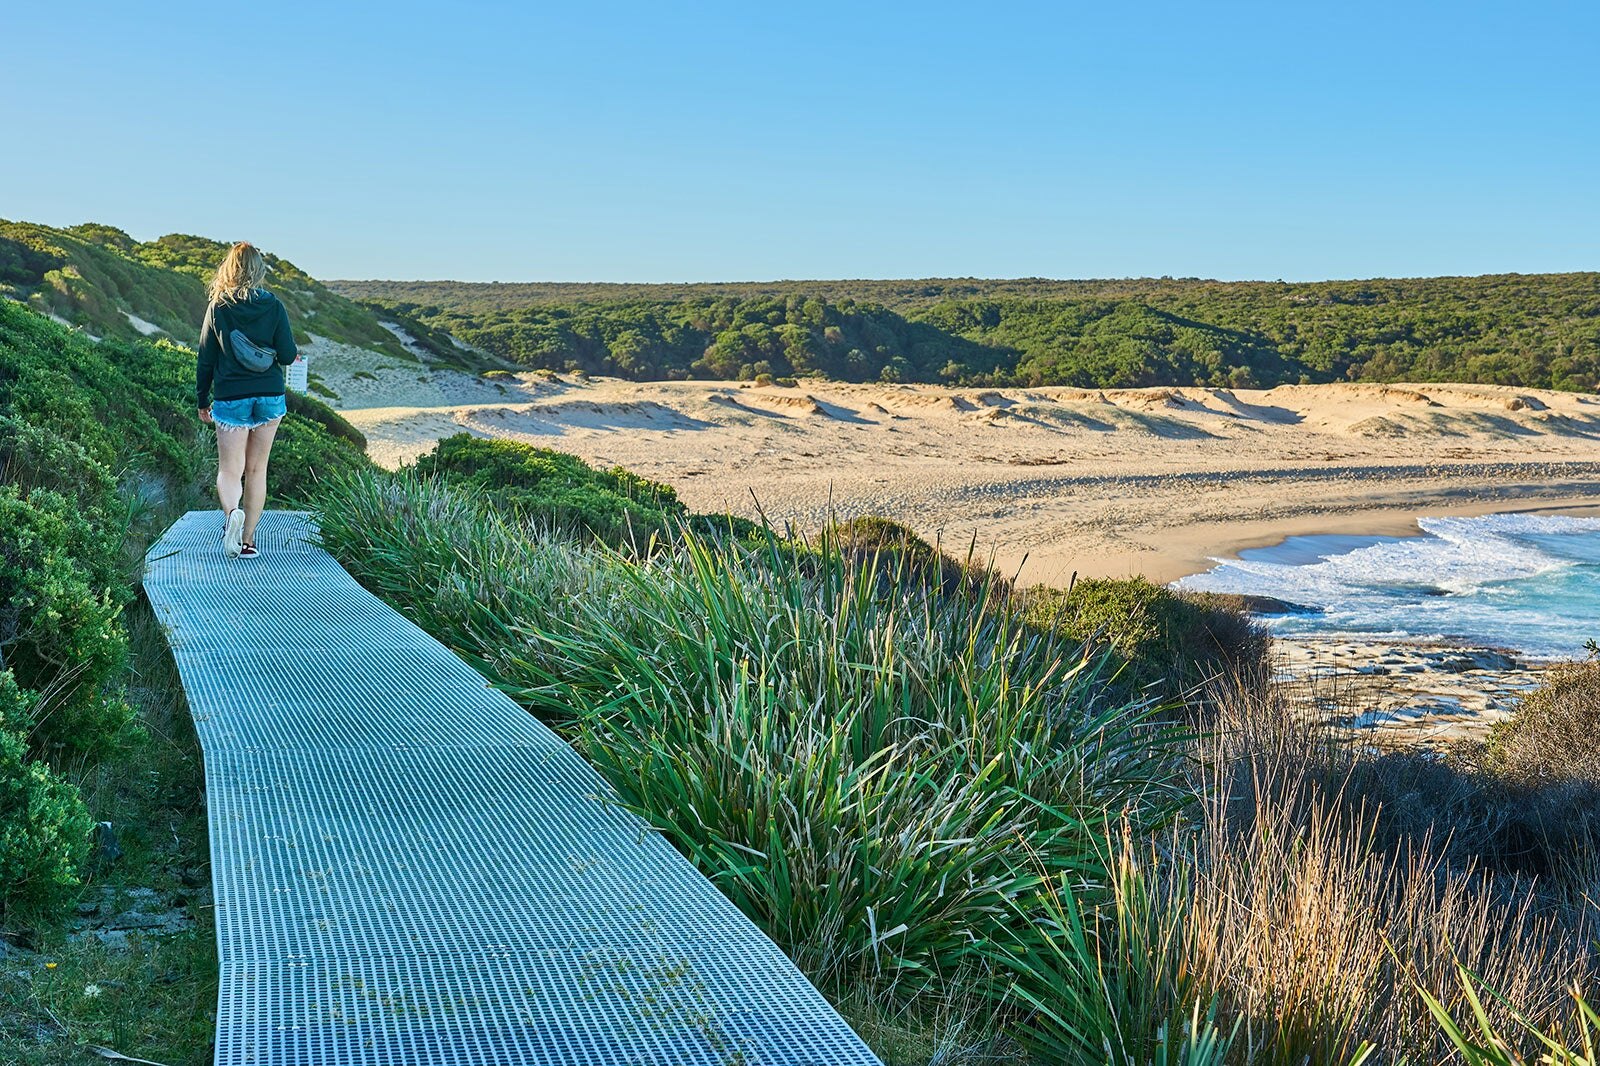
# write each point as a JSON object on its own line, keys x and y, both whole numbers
{"x": 252, "y": 412}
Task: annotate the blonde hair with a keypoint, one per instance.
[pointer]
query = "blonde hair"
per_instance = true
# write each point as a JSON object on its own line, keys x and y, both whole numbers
{"x": 242, "y": 270}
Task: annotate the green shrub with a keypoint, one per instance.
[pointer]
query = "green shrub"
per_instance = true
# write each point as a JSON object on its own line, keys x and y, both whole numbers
{"x": 1553, "y": 734}
{"x": 44, "y": 826}
{"x": 1167, "y": 642}
{"x": 128, "y": 405}
{"x": 557, "y": 489}
{"x": 32, "y": 457}
{"x": 893, "y": 548}
{"x": 872, "y": 534}
{"x": 305, "y": 456}
{"x": 61, "y": 600}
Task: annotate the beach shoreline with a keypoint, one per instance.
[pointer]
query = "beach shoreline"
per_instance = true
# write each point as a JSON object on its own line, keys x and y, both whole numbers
{"x": 1046, "y": 482}
{"x": 1050, "y": 483}
{"x": 1380, "y": 522}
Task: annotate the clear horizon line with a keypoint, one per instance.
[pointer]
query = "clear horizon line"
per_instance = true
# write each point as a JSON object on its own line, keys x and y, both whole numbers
{"x": 978, "y": 277}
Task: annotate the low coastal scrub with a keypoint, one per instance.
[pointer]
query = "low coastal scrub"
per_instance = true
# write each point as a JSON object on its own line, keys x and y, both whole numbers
{"x": 102, "y": 281}
{"x": 558, "y": 489}
{"x": 871, "y": 768}
{"x": 44, "y": 832}
{"x": 932, "y": 794}
{"x": 1167, "y": 642}
{"x": 1554, "y": 735}
{"x": 99, "y": 447}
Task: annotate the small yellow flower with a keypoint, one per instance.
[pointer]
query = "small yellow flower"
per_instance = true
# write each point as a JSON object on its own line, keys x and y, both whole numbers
{"x": 49, "y": 965}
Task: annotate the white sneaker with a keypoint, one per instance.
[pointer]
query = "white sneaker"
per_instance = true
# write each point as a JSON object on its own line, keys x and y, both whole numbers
{"x": 233, "y": 534}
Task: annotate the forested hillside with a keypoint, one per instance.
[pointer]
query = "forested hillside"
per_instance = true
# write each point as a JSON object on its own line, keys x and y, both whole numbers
{"x": 103, "y": 281}
{"x": 1534, "y": 330}
{"x": 1539, "y": 330}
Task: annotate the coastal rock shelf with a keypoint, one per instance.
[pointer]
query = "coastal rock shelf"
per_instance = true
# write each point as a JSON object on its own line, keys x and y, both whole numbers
{"x": 410, "y": 869}
{"x": 1405, "y": 694}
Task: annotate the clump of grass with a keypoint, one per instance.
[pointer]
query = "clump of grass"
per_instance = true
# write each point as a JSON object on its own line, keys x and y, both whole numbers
{"x": 1165, "y": 641}
{"x": 873, "y": 768}
{"x": 1480, "y": 1040}
{"x": 1279, "y": 910}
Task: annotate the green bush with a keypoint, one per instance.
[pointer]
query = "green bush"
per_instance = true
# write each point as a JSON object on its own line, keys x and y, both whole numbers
{"x": 44, "y": 826}
{"x": 895, "y": 548}
{"x": 61, "y": 600}
{"x": 1167, "y": 642}
{"x": 1553, "y": 734}
{"x": 305, "y": 456}
{"x": 32, "y": 457}
{"x": 129, "y": 406}
{"x": 557, "y": 489}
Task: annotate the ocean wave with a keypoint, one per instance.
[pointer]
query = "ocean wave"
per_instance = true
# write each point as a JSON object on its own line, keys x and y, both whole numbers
{"x": 1524, "y": 580}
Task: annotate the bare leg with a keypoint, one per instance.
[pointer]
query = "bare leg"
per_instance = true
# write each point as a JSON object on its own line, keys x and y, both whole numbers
{"x": 255, "y": 476}
{"x": 230, "y": 466}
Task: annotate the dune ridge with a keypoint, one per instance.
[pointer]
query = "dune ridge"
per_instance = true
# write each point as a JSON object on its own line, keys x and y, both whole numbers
{"x": 1051, "y": 480}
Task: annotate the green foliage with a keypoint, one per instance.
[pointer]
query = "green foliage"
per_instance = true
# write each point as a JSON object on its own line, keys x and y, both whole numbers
{"x": 870, "y": 772}
{"x": 326, "y": 417}
{"x": 1481, "y": 1042}
{"x": 93, "y": 275}
{"x": 556, "y": 488}
{"x": 1168, "y": 642}
{"x": 44, "y": 827}
{"x": 1531, "y": 330}
{"x": 1092, "y": 980}
{"x": 756, "y": 339}
{"x": 892, "y": 547}
{"x": 305, "y": 456}
{"x": 23, "y": 264}
{"x": 1553, "y": 734}
{"x": 33, "y": 457}
{"x": 61, "y": 599}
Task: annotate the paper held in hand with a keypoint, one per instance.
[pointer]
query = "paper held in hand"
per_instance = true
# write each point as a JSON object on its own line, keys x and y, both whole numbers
{"x": 294, "y": 375}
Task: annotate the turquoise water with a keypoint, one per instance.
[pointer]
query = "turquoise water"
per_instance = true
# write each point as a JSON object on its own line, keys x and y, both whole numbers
{"x": 1528, "y": 582}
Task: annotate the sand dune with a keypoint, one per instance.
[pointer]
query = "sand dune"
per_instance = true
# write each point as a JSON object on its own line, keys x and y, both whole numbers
{"x": 1114, "y": 481}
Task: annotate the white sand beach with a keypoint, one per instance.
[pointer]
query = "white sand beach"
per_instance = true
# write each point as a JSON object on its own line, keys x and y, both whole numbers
{"x": 1051, "y": 481}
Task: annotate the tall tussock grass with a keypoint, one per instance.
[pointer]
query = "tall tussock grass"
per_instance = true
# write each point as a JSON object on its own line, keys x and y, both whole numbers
{"x": 874, "y": 767}
{"x": 926, "y": 797}
{"x": 1303, "y": 933}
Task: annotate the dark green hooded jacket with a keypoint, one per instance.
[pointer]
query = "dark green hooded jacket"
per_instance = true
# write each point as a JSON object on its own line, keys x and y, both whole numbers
{"x": 218, "y": 375}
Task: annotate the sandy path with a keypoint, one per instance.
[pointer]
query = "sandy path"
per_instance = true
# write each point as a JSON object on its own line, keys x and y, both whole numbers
{"x": 1151, "y": 481}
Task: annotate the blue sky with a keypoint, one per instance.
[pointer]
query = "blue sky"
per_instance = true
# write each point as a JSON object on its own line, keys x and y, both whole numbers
{"x": 653, "y": 142}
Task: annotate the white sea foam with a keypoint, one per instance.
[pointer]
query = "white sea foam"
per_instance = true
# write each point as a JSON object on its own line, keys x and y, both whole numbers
{"x": 1529, "y": 581}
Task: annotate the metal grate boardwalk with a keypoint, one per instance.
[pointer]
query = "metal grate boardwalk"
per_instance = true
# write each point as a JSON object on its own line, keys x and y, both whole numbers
{"x": 411, "y": 869}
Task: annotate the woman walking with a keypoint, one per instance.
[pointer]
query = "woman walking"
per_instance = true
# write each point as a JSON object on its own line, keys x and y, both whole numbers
{"x": 245, "y": 343}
